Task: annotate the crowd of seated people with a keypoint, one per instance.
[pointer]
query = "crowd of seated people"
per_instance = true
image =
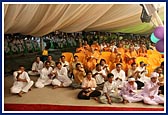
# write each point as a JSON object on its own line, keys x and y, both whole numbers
{"x": 108, "y": 73}
{"x": 16, "y": 45}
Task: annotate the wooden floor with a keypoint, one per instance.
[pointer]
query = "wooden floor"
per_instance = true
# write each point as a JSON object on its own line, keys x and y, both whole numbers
{"x": 59, "y": 96}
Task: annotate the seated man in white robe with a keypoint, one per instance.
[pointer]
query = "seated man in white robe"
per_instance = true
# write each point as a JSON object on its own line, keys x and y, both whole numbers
{"x": 46, "y": 76}
{"x": 110, "y": 91}
{"x": 36, "y": 67}
{"x": 129, "y": 91}
{"x": 100, "y": 76}
{"x": 22, "y": 82}
{"x": 62, "y": 79}
{"x": 119, "y": 75}
{"x": 150, "y": 91}
{"x": 142, "y": 75}
{"x": 64, "y": 63}
{"x": 104, "y": 66}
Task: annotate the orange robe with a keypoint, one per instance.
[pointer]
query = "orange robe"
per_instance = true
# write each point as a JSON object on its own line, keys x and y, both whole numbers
{"x": 112, "y": 56}
{"x": 87, "y": 47}
{"x": 95, "y": 47}
{"x": 117, "y": 60}
{"x": 122, "y": 51}
{"x": 107, "y": 49}
{"x": 79, "y": 75}
{"x": 92, "y": 60}
{"x": 129, "y": 57}
{"x": 142, "y": 53}
{"x": 80, "y": 50}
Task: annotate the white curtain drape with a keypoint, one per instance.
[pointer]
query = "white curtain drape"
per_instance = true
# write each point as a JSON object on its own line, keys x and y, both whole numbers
{"x": 41, "y": 19}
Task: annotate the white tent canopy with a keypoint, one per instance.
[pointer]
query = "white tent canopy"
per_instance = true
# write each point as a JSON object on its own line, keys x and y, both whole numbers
{"x": 41, "y": 19}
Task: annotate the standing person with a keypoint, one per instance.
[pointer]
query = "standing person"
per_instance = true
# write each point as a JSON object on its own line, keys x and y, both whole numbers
{"x": 119, "y": 75}
{"x": 150, "y": 91}
{"x": 110, "y": 91}
{"x": 36, "y": 67}
{"x": 45, "y": 54}
{"x": 62, "y": 79}
{"x": 46, "y": 76}
{"x": 22, "y": 82}
{"x": 89, "y": 88}
{"x": 129, "y": 91}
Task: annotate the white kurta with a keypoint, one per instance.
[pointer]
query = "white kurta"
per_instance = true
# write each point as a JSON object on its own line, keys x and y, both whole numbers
{"x": 106, "y": 69}
{"x": 19, "y": 85}
{"x": 113, "y": 47}
{"x": 112, "y": 90}
{"x": 120, "y": 75}
{"x": 102, "y": 47}
{"x": 36, "y": 66}
{"x": 44, "y": 79}
{"x": 110, "y": 87}
{"x": 151, "y": 89}
{"x": 143, "y": 77}
{"x": 99, "y": 78}
{"x": 131, "y": 72}
{"x": 89, "y": 83}
{"x": 65, "y": 64}
{"x": 62, "y": 77}
{"x": 131, "y": 96}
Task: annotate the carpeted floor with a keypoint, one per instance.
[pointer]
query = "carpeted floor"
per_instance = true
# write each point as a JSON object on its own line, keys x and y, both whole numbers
{"x": 47, "y": 107}
{"x": 63, "y": 97}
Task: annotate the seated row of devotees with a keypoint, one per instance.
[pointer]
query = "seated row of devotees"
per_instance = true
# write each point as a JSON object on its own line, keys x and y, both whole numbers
{"x": 91, "y": 55}
{"x": 106, "y": 88}
{"x": 77, "y": 72}
{"x": 118, "y": 53}
{"x": 141, "y": 50}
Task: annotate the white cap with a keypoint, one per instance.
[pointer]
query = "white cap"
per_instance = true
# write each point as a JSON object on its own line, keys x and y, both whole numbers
{"x": 131, "y": 79}
{"x": 154, "y": 74}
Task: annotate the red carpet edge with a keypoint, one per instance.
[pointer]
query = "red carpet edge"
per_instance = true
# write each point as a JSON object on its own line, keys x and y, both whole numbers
{"x": 46, "y": 107}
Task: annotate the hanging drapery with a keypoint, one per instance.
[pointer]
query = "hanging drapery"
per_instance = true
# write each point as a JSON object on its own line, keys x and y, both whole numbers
{"x": 41, "y": 19}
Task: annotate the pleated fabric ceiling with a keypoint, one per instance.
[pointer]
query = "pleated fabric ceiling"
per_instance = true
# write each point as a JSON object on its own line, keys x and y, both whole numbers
{"x": 41, "y": 19}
